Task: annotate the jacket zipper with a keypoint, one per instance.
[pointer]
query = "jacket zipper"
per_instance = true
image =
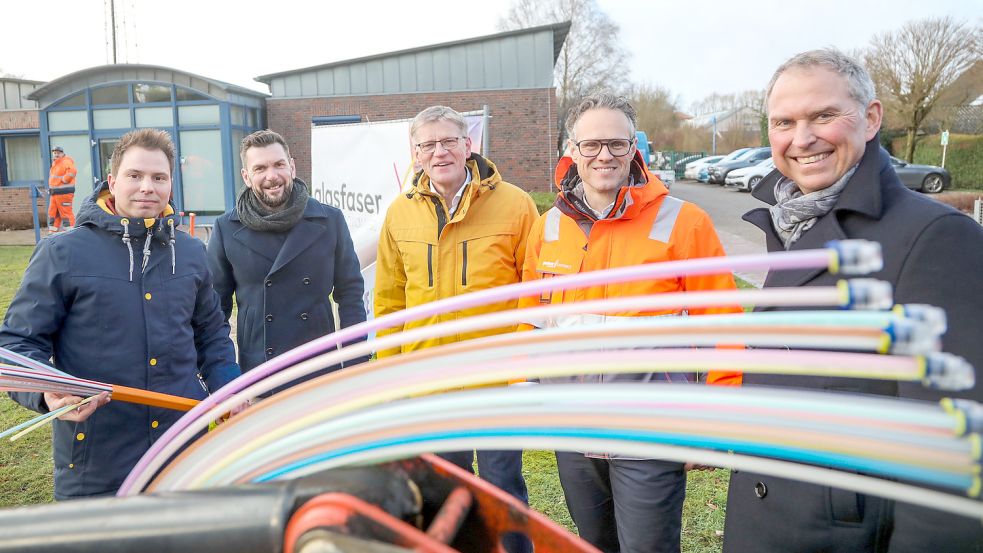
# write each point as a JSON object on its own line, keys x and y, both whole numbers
{"x": 441, "y": 214}
{"x": 464, "y": 263}
{"x": 430, "y": 263}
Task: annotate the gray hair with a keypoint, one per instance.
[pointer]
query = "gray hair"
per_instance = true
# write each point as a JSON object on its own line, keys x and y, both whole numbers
{"x": 858, "y": 80}
{"x": 438, "y": 113}
{"x": 601, "y": 100}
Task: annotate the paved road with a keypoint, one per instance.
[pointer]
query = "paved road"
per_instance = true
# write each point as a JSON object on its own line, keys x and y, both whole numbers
{"x": 726, "y": 206}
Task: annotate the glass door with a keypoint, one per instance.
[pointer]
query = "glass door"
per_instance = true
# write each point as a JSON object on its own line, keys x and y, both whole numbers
{"x": 105, "y": 156}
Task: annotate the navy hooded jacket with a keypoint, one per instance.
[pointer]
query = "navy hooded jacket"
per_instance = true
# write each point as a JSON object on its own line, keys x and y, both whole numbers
{"x": 88, "y": 302}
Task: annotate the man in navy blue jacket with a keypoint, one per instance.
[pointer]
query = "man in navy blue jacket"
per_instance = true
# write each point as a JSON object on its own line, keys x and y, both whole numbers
{"x": 282, "y": 253}
{"x": 125, "y": 299}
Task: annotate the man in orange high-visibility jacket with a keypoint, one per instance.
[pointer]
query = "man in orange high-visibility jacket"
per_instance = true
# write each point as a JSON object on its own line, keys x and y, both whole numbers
{"x": 61, "y": 191}
{"x": 611, "y": 212}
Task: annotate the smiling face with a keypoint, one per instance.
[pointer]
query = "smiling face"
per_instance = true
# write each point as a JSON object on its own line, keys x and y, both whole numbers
{"x": 817, "y": 130}
{"x": 141, "y": 186}
{"x": 444, "y": 167}
{"x": 269, "y": 172}
{"x": 604, "y": 174}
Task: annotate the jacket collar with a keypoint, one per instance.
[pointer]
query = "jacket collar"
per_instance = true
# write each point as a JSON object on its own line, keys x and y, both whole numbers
{"x": 484, "y": 178}
{"x": 94, "y": 213}
{"x": 862, "y": 195}
{"x": 647, "y": 188}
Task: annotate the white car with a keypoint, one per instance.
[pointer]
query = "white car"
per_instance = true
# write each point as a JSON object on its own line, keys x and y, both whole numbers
{"x": 693, "y": 168}
{"x": 748, "y": 177}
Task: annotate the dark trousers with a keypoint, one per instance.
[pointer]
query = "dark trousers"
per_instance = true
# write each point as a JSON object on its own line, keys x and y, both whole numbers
{"x": 624, "y": 506}
{"x": 502, "y": 469}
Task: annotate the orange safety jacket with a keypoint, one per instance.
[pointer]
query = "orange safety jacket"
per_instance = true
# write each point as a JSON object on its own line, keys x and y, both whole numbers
{"x": 646, "y": 225}
{"x": 64, "y": 167}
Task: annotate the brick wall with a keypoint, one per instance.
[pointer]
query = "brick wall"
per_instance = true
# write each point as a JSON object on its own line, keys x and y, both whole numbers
{"x": 23, "y": 119}
{"x": 522, "y": 133}
{"x": 15, "y": 203}
{"x": 15, "y": 209}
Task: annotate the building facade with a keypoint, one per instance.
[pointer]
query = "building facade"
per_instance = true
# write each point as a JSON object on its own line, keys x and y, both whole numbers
{"x": 507, "y": 75}
{"x": 511, "y": 73}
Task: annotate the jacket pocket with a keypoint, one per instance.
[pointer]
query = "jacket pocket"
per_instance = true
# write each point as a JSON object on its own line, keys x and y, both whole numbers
{"x": 416, "y": 250}
{"x": 846, "y": 507}
{"x": 487, "y": 256}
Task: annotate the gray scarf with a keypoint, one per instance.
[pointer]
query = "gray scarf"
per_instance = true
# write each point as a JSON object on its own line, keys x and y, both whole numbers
{"x": 260, "y": 218}
{"x": 795, "y": 212}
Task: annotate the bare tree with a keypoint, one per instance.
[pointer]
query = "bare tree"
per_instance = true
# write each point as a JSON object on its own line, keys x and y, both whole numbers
{"x": 913, "y": 66}
{"x": 657, "y": 113}
{"x": 591, "y": 58}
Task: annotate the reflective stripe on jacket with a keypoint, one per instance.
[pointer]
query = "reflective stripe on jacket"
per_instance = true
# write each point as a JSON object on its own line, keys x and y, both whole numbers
{"x": 426, "y": 255}
{"x": 64, "y": 167}
{"x": 646, "y": 226}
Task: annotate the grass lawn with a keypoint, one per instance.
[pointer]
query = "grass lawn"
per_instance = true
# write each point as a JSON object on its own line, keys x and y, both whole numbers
{"x": 26, "y": 466}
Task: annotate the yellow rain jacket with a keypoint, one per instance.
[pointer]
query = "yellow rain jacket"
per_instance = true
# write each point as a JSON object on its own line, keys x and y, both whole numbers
{"x": 426, "y": 254}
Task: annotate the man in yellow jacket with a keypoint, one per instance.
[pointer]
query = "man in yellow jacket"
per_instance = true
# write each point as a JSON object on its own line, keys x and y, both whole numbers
{"x": 611, "y": 212}
{"x": 61, "y": 191}
{"x": 460, "y": 229}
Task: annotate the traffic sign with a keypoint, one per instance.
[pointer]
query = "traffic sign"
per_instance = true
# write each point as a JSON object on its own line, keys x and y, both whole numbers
{"x": 945, "y": 138}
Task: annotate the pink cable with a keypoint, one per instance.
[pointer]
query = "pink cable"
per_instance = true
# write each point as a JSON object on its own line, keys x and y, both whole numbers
{"x": 804, "y": 259}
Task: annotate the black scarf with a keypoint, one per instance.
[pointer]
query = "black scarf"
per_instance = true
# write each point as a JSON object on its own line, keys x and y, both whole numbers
{"x": 260, "y": 218}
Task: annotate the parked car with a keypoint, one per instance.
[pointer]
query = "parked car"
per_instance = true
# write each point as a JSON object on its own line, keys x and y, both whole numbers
{"x": 693, "y": 168}
{"x": 927, "y": 178}
{"x": 703, "y": 175}
{"x": 729, "y": 157}
{"x": 718, "y": 171}
{"x": 747, "y": 178}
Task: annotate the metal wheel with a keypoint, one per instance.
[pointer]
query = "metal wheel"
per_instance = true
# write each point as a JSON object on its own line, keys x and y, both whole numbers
{"x": 752, "y": 183}
{"x": 932, "y": 184}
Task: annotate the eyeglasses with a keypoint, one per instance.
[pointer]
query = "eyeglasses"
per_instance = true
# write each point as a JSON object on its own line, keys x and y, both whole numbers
{"x": 446, "y": 143}
{"x": 617, "y": 146}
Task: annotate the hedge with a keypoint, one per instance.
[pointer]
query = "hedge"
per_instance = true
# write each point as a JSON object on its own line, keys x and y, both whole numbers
{"x": 963, "y": 158}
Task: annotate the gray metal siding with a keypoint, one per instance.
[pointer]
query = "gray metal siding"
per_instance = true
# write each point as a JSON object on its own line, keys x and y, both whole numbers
{"x": 516, "y": 61}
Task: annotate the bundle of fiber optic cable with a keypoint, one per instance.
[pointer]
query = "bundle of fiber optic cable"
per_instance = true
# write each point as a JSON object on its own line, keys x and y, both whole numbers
{"x": 409, "y": 404}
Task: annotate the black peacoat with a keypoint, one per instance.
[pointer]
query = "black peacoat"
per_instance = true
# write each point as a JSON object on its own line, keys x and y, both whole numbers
{"x": 282, "y": 281}
{"x": 932, "y": 254}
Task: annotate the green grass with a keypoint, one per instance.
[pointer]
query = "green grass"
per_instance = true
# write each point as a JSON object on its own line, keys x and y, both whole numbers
{"x": 26, "y": 465}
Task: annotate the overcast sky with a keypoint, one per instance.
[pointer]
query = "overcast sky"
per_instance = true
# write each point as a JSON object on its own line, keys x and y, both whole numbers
{"x": 693, "y": 49}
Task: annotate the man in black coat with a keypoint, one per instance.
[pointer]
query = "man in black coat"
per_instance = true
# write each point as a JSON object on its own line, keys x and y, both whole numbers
{"x": 832, "y": 182}
{"x": 283, "y": 254}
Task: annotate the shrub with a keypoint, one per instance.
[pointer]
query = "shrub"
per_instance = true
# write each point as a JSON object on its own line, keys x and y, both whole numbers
{"x": 964, "y": 157}
{"x": 544, "y": 200}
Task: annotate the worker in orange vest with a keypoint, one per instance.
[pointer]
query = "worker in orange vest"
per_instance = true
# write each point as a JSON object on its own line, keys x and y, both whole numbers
{"x": 61, "y": 189}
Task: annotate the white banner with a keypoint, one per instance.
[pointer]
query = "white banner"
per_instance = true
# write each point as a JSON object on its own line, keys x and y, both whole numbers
{"x": 360, "y": 169}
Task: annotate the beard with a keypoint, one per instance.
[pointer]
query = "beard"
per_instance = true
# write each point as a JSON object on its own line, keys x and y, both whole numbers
{"x": 274, "y": 202}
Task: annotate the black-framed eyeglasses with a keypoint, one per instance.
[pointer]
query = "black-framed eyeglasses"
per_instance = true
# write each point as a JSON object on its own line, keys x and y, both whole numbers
{"x": 446, "y": 143}
{"x": 618, "y": 147}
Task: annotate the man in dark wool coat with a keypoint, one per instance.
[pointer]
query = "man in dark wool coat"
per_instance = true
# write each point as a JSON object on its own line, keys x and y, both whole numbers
{"x": 283, "y": 254}
{"x": 833, "y": 181}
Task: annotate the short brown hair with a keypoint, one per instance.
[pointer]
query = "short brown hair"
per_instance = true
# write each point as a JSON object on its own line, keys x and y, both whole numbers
{"x": 261, "y": 139}
{"x": 148, "y": 139}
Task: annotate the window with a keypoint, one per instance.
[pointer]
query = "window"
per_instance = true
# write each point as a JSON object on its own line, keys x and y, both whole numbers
{"x": 23, "y": 154}
{"x": 119, "y": 94}
{"x": 155, "y": 117}
{"x": 144, "y": 93}
{"x": 185, "y": 95}
{"x": 68, "y": 121}
{"x": 73, "y": 101}
{"x": 201, "y": 171}
{"x": 111, "y": 118}
{"x": 198, "y": 115}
